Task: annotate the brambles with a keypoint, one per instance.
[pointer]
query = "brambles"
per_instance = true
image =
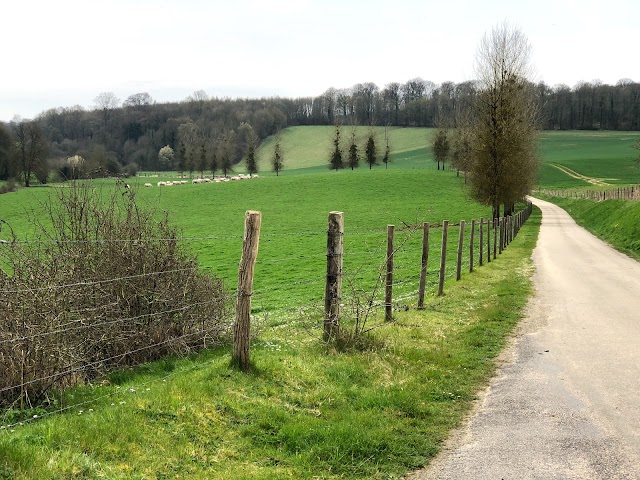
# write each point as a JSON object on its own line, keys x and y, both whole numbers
{"x": 106, "y": 286}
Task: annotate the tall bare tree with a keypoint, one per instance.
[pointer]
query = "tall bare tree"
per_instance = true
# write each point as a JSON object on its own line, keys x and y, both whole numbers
{"x": 31, "y": 148}
{"x": 106, "y": 102}
{"x": 8, "y": 167}
{"x": 504, "y": 115}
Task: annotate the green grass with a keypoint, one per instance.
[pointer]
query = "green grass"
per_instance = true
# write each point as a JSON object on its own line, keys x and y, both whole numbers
{"x": 292, "y": 262}
{"x": 604, "y": 155}
{"x": 305, "y": 411}
{"x": 614, "y": 221}
{"x": 308, "y": 148}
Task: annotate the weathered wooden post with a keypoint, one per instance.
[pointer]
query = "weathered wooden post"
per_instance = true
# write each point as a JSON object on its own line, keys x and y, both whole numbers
{"x": 471, "y": 238}
{"x": 333, "y": 288}
{"x": 496, "y": 225}
{"x": 460, "y": 246}
{"x": 443, "y": 257}
{"x": 423, "y": 269}
{"x": 388, "y": 293}
{"x": 481, "y": 242}
{"x": 489, "y": 229}
{"x": 242, "y": 326}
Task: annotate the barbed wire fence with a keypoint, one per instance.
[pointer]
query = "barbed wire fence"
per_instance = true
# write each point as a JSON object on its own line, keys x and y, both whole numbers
{"x": 291, "y": 288}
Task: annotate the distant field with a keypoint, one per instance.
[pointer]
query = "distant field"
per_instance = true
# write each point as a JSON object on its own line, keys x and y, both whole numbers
{"x": 309, "y": 147}
{"x": 605, "y": 155}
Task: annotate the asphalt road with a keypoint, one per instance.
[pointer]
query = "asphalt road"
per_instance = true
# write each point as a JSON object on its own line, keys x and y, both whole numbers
{"x": 565, "y": 403}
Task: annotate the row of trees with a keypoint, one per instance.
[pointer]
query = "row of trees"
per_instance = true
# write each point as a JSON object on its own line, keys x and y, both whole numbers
{"x": 339, "y": 160}
{"x": 115, "y": 134}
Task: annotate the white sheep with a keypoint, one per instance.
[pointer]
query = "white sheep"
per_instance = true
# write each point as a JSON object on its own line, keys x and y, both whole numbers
{"x": 162, "y": 184}
{"x": 148, "y": 185}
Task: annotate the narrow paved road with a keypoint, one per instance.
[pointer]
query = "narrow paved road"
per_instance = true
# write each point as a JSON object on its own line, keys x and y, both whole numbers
{"x": 566, "y": 402}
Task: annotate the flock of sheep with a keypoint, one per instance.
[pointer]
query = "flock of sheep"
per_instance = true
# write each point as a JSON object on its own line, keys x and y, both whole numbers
{"x": 202, "y": 180}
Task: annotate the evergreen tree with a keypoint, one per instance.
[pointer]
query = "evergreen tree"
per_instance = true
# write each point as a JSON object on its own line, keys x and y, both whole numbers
{"x": 371, "y": 151}
{"x": 335, "y": 161}
{"x": 250, "y": 159}
{"x": 277, "y": 161}
{"x": 386, "y": 159}
{"x": 354, "y": 158}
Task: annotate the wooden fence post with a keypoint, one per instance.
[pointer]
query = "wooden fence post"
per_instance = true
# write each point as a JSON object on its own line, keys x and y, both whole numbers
{"x": 490, "y": 228}
{"x": 388, "y": 293}
{"x": 496, "y": 235}
{"x": 443, "y": 257}
{"x": 333, "y": 287}
{"x": 460, "y": 246}
{"x": 242, "y": 326}
{"x": 471, "y": 238}
{"x": 423, "y": 269}
{"x": 481, "y": 242}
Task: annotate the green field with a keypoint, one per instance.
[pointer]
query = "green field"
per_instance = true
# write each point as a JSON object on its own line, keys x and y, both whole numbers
{"x": 605, "y": 155}
{"x": 308, "y": 148}
{"x": 307, "y": 410}
{"x": 295, "y": 210}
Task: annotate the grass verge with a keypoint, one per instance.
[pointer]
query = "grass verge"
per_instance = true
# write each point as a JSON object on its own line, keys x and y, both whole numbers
{"x": 614, "y": 221}
{"x": 306, "y": 411}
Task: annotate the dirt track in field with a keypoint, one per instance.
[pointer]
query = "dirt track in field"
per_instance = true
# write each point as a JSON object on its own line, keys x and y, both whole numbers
{"x": 565, "y": 403}
{"x": 573, "y": 174}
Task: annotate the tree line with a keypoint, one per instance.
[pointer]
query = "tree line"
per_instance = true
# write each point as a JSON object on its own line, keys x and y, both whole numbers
{"x": 116, "y": 136}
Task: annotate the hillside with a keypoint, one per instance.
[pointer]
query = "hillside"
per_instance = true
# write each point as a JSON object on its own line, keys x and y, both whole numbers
{"x": 309, "y": 147}
{"x": 604, "y": 155}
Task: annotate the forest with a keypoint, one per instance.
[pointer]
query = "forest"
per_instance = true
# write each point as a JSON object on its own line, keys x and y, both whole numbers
{"x": 117, "y": 136}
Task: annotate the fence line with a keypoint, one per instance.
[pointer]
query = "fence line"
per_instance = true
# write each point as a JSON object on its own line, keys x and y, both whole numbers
{"x": 631, "y": 193}
{"x": 62, "y": 328}
{"x": 97, "y": 282}
{"x": 505, "y": 229}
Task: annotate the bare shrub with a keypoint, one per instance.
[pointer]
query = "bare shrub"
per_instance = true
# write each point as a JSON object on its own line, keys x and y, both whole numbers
{"x": 106, "y": 285}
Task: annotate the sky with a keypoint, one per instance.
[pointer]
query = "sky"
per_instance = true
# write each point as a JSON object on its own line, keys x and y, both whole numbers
{"x": 65, "y": 52}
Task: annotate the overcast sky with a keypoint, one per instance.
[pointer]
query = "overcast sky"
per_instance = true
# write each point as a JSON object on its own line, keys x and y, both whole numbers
{"x": 65, "y": 52}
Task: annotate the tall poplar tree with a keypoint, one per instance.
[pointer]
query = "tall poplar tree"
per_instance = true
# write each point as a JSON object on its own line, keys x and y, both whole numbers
{"x": 503, "y": 125}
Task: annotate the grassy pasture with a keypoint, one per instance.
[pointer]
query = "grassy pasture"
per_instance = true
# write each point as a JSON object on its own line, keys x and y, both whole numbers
{"x": 606, "y": 155}
{"x": 292, "y": 261}
{"x": 303, "y": 411}
{"x": 306, "y": 412}
{"x": 603, "y": 155}
{"x": 308, "y": 148}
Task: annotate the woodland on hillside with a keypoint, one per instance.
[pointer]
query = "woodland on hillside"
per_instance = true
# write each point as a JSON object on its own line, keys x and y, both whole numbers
{"x": 203, "y": 131}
